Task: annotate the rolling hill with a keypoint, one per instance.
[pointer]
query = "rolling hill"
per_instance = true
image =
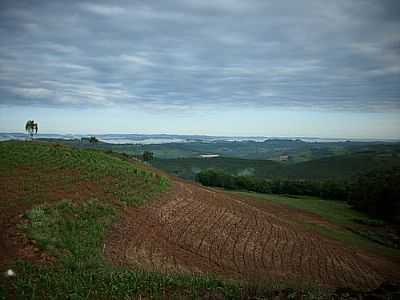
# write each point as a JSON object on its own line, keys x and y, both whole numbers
{"x": 270, "y": 149}
{"x": 333, "y": 167}
{"x": 84, "y": 224}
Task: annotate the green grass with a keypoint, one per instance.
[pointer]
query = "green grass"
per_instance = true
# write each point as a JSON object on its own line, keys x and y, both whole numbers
{"x": 338, "y": 213}
{"x": 37, "y": 167}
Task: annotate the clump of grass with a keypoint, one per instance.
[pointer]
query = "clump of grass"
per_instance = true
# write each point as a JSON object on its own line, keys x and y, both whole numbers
{"x": 69, "y": 231}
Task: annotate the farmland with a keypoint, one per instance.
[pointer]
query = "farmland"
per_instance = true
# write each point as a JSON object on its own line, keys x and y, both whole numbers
{"x": 206, "y": 231}
{"x": 83, "y": 223}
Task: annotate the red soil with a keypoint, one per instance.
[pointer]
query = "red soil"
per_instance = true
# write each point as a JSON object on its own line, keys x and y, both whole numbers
{"x": 198, "y": 230}
{"x": 22, "y": 190}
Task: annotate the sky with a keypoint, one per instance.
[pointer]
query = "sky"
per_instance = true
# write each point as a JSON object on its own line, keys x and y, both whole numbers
{"x": 221, "y": 67}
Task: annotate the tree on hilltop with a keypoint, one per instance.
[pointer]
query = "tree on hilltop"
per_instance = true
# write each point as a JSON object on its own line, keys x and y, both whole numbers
{"x": 147, "y": 155}
{"x": 31, "y": 128}
{"x": 93, "y": 140}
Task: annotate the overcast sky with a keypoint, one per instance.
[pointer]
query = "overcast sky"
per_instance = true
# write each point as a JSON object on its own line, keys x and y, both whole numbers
{"x": 219, "y": 67}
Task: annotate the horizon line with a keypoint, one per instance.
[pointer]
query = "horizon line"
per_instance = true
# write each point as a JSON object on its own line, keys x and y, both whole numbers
{"x": 216, "y": 136}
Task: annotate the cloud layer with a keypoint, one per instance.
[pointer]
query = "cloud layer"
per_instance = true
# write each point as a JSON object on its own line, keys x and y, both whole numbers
{"x": 184, "y": 55}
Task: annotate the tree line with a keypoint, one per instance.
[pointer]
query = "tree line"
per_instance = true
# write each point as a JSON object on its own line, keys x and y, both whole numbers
{"x": 375, "y": 192}
{"x": 328, "y": 189}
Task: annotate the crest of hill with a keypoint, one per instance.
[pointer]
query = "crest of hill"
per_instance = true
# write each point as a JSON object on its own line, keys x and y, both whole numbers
{"x": 42, "y": 172}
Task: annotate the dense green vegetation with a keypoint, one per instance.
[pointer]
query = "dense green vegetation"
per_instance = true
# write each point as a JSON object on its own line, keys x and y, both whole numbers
{"x": 328, "y": 189}
{"x": 147, "y": 156}
{"x": 377, "y": 193}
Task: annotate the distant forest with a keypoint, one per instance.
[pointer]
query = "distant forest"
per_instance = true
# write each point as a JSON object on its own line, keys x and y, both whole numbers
{"x": 375, "y": 192}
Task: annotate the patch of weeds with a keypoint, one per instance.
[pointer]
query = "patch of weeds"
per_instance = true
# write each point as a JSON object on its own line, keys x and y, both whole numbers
{"x": 38, "y": 282}
{"x": 285, "y": 290}
{"x": 67, "y": 227}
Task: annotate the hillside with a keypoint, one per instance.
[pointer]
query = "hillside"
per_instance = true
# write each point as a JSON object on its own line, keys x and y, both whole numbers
{"x": 333, "y": 167}
{"x": 83, "y": 224}
{"x": 204, "y": 231}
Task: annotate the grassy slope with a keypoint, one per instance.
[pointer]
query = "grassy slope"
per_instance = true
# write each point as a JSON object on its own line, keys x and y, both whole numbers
{"x": 339, "y": 213}
{"x": 70, "y": 198}
{"x": 72, "y": 228}
{"x": 339, "y": 167}
{"x": 40, "y": 168}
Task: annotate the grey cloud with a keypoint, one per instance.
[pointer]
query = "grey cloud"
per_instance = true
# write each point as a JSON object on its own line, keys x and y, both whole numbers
{"x": 103, "y": 10}
{"x": 178, "y": 55}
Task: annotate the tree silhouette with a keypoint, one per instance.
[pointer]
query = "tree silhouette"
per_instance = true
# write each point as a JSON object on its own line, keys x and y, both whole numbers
{"x": 31, "y": 128}
{"x": 147, "y": 155}
{"x": 93, "y": 140}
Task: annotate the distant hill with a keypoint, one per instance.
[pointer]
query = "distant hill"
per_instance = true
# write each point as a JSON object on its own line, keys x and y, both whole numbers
{"x": 334, "y": 167}
{"x": 189, "y": 167}
{"x": 341, "y": 166}
{"x": 290, "y": 151}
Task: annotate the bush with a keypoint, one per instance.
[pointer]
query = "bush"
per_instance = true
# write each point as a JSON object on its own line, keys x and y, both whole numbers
{"x": 147, "y": 155}
{"x": 377, "y": 193}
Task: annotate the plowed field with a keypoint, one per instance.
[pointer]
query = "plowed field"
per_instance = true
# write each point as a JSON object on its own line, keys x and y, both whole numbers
{"x": 198, "y": 230}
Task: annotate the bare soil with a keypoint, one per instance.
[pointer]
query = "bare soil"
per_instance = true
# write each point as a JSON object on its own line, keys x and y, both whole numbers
{"x": 22, "y": 190}
{"x": 204, "y": 231}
